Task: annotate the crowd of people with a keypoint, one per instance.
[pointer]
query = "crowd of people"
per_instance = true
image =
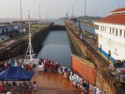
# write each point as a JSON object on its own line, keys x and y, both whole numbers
{"x": 75, "y": 79}
{"x": 52, "y": 66}
{"x": 16, "y": 62}
{"x": 21, "y": 87}
{"x": 13, "y": 86}
{"x": 12, "y": 62}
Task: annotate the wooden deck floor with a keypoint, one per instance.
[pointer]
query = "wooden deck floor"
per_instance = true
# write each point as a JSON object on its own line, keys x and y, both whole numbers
{"x": 53, "y": 83}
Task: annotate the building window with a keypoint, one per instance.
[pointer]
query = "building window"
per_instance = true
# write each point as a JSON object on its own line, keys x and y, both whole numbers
{"x": 110, "y": 30}
{"x": 105, "y": 28}
{"x": 120, "y": 32}
{"x": 116, "y": 32}
{"x": 124, "y": 34}
{"x": 113, "y": 32}
{"x": 101, "y": 28}
{"x": 97, "y": 27}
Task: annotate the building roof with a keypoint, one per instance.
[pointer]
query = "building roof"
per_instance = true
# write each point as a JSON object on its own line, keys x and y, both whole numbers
{"x": 118, "y": 10}
{"x": 117, "y": 17}
{"x": 114, "y": 19}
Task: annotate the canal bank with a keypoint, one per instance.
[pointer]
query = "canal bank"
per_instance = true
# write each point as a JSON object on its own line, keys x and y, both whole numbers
{"x": 19, "y": 46}
{"x": 50, "y": 42}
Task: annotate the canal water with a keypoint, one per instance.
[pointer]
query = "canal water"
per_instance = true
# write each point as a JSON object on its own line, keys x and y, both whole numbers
{"x": 57, "y": 47}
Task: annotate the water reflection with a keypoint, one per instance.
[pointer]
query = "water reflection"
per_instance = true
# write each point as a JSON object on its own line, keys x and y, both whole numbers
{"x": 57, "y": 47}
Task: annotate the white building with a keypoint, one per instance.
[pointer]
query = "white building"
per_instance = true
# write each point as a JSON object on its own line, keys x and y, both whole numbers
{"x": 111, "y": 35}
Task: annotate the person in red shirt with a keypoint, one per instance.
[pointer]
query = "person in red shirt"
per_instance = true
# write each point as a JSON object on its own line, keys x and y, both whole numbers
{"x": 29, "y": 67}
{"x": 1, "y": 89}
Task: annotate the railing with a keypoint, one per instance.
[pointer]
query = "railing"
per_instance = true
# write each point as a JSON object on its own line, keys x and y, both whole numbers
{"x": 93, "y": 51}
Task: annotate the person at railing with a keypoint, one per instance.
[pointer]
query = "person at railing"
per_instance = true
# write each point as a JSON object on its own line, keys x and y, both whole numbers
{"x": 93, "y": 89}
{"x": 9, "y": 92}
{"x": 80, "y": 82}
{"x": 14, "y": 84}
{"x": 30, "y": 85}
{"x": 76, "y": 81}
{"x": 1, "y": 89}
{"x": 98, "y": 91}
{"x": 56, "y": 66}
{"x": 70, "y": 76}
{"x": 60, "y": 70}
{"x": 73, "y": 78}
{"x": 41, "y": 67}
{"x": 35, "y": 87}
{"x": 68, "y": 73}
{"x": 6, "y": 65}
{"x": 63, "y": 69}
{"x": 51, "y": 66}
{"x": 87, "y": 86}
{"x": 29, "y": 67}
{"x": 84, "y": 85}
{"x": 15, "y": 64}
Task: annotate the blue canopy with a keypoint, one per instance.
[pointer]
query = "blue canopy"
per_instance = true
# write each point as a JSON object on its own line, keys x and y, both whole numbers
{"x": 16, "y": 73}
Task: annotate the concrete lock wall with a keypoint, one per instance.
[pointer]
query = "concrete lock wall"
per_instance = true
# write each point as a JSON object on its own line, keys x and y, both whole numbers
{"x": 104, "y": 80}
{"x": 20, "y": 46}
{"x": 84, "y": 68}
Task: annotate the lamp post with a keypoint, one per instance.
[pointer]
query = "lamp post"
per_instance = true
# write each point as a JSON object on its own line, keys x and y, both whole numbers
{"x": 46, "y": 15}
{"x": 21, "y": 14}
{"x": 72, "y": 11}
{"x": 85, "y": 18}
{"x": 40, "y": 13}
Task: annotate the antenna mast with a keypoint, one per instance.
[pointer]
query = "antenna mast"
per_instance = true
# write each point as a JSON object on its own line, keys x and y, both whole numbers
{"x": 29, "y": 54}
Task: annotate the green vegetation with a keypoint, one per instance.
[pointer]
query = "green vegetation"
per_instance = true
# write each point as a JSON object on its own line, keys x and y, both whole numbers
{"x": 90, "y": 18}
{"x": 37, "y": 27}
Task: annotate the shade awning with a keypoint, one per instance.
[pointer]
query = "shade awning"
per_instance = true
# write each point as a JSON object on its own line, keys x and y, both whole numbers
{"x": 16, "y": 73}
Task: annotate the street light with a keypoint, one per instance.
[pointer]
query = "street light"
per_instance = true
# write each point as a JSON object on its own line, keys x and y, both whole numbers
{"x": 21, "y": 14}
{"x": 40, "y": 13}
{"x": 46, "y": 15}
{"x": 85, "y": 18}
{"x": 72, "y": 11}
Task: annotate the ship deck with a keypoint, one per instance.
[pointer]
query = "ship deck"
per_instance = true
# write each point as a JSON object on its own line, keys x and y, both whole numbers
{"x": 53, "y": 83}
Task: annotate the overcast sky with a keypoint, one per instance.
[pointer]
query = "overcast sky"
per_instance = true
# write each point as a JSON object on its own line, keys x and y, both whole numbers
{"x": 57, "y": 8}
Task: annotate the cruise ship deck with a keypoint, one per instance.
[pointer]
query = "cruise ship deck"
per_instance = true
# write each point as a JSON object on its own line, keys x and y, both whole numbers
{"x": 53, "y": 83}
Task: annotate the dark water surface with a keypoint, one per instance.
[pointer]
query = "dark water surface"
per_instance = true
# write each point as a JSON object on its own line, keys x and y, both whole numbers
{"x": 56, "y": 47}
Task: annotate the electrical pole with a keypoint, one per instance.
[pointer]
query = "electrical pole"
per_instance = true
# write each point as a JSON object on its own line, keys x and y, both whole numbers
{"x": 21, "y": 15}
{"x": 46, "y": 15}
{"x": 85, "y": 19}
{"x": 72, "y": 11}
{"x": 40, "y": 13}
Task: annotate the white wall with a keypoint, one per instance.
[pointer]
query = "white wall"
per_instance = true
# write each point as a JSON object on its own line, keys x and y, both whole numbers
{"x": 112, "y": 42}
